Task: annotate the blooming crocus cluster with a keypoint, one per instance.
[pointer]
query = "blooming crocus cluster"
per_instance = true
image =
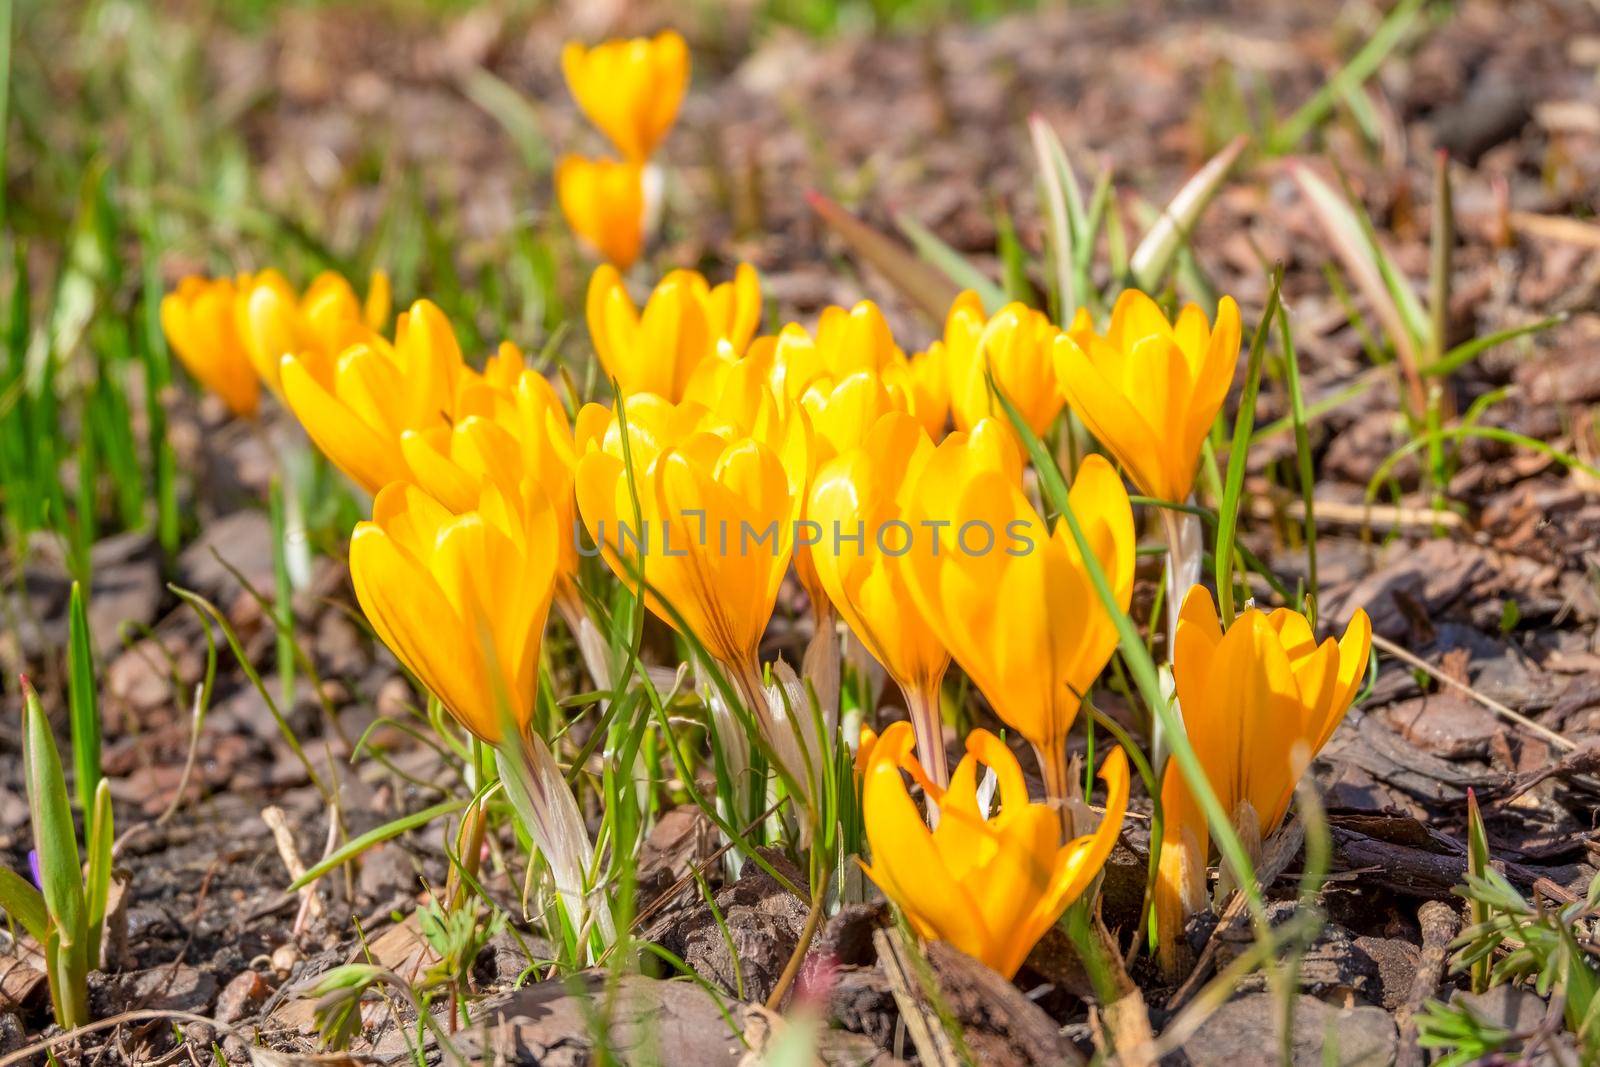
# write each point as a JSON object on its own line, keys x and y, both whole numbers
{"x": 631, "y": 90}
{"x": 719, "y": 461}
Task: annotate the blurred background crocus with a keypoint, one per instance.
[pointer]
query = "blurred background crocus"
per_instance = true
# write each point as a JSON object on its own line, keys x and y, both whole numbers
{"x": 684, "y": 321}
{"x": 1258, "y": 702}
{"x": 989, "y": 883}
{"x": 1012, "y": 600}
{"x": 630, "y": 89}
{"x": 275, "y": 321}
{"x": 201, "y": 324}
{"x": 606, "y": 203}
{"x": 357, "y": 404}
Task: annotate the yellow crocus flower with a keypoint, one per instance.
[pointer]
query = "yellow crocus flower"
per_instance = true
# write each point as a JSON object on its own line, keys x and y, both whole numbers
{"x": 434, "y": 584}
{"x": 684, "y": 321}
{"x": 1016, "y": 345}
{"x": 1149, "y": 390}
{"x": 199, "y": 321}
{"x": 857, "y": 499}
{"x": 925, "y": 379}
{"x": 275, "y": 322}
{"x": 604, "y": 203}
{"x": 630, "y": 89}
{"x": 989, "y": 884}
{"x": 718, "y": 509}
{"x": 502, "y": 436}
{"x": 1011, "y": 599}
{"x": 356, "y": 405}
{"x": 1258, "y": 703}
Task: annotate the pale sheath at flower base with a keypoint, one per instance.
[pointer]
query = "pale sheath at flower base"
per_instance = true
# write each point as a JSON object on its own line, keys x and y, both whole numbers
{"x": 684, "y": 322}
{"x": 1150, "y": 389}
{"x": 1022, "y": 618}
{"x": 630, "y": 89}
{"x": 604, "y": 201}
{"x": 990, "y": 884}
{"x": 357, "y": 405}
{"x": 461, "y": 598}
{"x": 863, "y": 494}
{"x": 1258, "y": 704}
{"x": 201, "y": 324}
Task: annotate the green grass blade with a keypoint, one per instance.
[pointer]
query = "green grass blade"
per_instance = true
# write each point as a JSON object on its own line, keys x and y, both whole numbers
{"x": 1362, "y": 66}
{"x": 55, "y": 843}
{"x": 954, "y": 265}
{"x": 20, "y": 900}
{"x": 1467, "y": 351}
{"x": 376, "y": 836}
{"x": 97, "y": 892}
{"x": 1303, "y": 459}
{"x": 1238, "y": 452}
{"x": 82, "y": 702}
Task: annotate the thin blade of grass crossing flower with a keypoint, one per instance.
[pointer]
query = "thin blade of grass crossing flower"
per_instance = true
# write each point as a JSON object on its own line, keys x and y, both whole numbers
{"x": 55, "y": 843}
{"x": 1160, "y": 245}
{"x": 1238, "y": 452}
{"x": 921, "y": 283}
{"x": 81, "y": 701}
{"x": 1143, "y": 668}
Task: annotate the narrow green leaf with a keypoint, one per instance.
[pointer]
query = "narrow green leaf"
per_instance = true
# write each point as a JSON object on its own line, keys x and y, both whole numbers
{"x": 356, "y": 846}
{"x": 1303, "y": 458}
{"x": 1477, "y": 867}
{"x": 55, "y": 839}
{"x": 20, "y": 900}
{"x": 82, "y": 701}
{"x": 1160, "y": 245}
{"x": 955, "y": 266}
{"x": 1362, "y": 66}
{"x": 1238, "y": 452}
{"x": 1467, "y": 351}
{"x": 97, "y": 891}
{"x": 514, "y": 112}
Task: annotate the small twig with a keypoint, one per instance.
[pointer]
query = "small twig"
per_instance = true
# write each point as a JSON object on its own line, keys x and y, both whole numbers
{"x": 197, "y": 718}
{"x": 923, "y": 1026}
{"x": 22, "y": 1055}
{"x": 283, "y": 837}
{"x": 1439, "y": 925}
{"x": 1493, "y": 705}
